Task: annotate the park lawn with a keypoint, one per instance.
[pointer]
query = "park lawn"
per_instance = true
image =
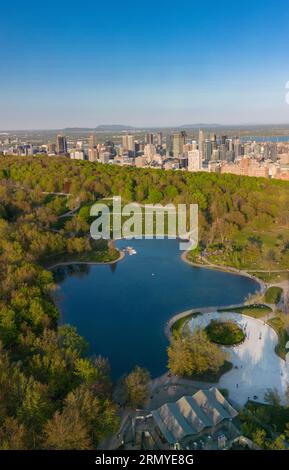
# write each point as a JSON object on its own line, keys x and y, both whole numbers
{"x": 273, "y": 295}
{"x": 268, "y": 236}
{"x": 277, "y": 323}
{"x": 271, "y": 238}
{"x": 178, "y": 327}
{"x": 255, "y": 311}
{"x": 271, "y": 277}
{"x": 243, "y": 236}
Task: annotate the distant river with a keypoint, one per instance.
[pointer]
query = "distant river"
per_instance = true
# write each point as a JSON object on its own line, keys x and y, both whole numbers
{"x": 272, "y": 138}
{"x": 122, "y": 309}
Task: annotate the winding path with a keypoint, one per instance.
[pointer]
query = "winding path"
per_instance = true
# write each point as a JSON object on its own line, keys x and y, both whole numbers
{"x": 256, "y": 365}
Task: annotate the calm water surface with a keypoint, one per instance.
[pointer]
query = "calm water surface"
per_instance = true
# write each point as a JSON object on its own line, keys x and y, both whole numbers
{"x": 122, "y": 309}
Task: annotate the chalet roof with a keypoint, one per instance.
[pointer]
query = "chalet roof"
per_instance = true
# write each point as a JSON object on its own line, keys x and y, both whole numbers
{"x": 191, "y": 414}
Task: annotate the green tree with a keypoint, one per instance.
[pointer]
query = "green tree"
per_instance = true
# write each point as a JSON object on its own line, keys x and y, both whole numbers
{"x": 259, "y": 437}
{"x": 272, "y": 397}
{"x": 12, "y": 435}
{"x": 194, "y": 354}
{"x": 98, "y": 413}
{"x": 67, "y": 431}
{"x": 137, "y": 387}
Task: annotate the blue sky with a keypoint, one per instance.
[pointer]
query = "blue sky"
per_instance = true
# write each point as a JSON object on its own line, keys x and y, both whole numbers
{"x": 144, "y": 63}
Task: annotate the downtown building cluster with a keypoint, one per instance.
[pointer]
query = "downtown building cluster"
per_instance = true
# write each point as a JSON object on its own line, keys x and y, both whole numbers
{"x": 171, "y": 151}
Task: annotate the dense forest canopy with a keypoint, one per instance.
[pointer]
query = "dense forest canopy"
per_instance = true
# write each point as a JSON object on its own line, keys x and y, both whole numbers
{"x": 244, "y": 222}
{"x": 48, "y": 386}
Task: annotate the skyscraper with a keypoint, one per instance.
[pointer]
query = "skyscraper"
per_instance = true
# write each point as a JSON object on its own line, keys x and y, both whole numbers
{"x": 92, "y": 149}
{"x": 208, "y": 150}
{"x": 169, "y": 145}
{"x": 128, "y": 142}
{"x": 178, "y": 143}
{"x": 149, "y": 152}
{"x": 201, "y": 143}
{"x": 149, "y": 138}
{"x": 213, "y": 139}
{"x": 61, "y": 144}
{"x": 160, "y": 138}
{"x": 92, "y": 141}
{"x": 194, "y": 160}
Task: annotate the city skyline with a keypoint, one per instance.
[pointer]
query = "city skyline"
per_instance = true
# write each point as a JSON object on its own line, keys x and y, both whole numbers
{"x": 173, "y": 150}
{"x": 151, "y": 65}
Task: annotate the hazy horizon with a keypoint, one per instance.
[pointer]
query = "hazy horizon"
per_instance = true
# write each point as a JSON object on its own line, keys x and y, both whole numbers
{"x": 193, "y": 126}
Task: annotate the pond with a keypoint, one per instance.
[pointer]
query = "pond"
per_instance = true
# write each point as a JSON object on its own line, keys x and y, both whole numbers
{"x": 121, "y": 309}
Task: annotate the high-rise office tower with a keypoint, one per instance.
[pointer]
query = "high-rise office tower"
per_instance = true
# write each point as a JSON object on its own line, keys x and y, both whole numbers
{"x": 128, "y": 142}
{"x": 201, "y": 143}
{"x": 136, "y": 147}
{"x": 178, "y": 143}
{"x": 237, "y": 147}
{"x": 213, "y": 139}
{"x": 149, "y": 138}
{"x": 208, "y": 150}
{"x": 230, "y": 145}
{"x": 51, "y": 147}
{"x": 92, "y": 141}
{"x": 272, "y": 151}
{"x": 184, "y": 136}
{"x": 223, "y": 152}
{"x": 149, "y": 152}
{"x": 61, "y": 145}
{"x": 124, "y": 142}
{"x": 194, "y": 160}
{"x": 92, "y": 149}
{"x": 169, "y": 145}
{"x": 92, "y": 154}
{"x": 160, "y": 138}
{"x": 215, "y": 155}
{"x": 194, "y": 145}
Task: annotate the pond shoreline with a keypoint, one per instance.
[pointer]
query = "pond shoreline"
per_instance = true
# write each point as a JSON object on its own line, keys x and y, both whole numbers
{"x": 68, "y": 263}
{"x": 226, "y": 269}
{"x": 172, "y": 320}
{"x": 163, "y": 274}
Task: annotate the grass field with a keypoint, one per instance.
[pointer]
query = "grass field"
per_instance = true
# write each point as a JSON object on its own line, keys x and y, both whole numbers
{"x": 279, "y": 326}
{"x": 255, "y": 311}
{"x": 178, "y": 326}
{"x": 273, "y": 295}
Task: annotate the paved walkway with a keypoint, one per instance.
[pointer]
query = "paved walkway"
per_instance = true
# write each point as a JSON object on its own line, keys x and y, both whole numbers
{"x": 284, "y": 302}
{"x": 256, "y": 365}
{"x": 169, "y": 388}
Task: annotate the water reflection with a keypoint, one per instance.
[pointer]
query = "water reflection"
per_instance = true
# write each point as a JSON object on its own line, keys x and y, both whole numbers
{"x": 61, "y": 272}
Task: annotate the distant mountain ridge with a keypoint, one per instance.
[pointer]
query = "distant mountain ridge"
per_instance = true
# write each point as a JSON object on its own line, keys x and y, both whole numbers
{"x": 109, "y": 128}
{"x": 200, "y": 126}
{"x": 102, "y": 127}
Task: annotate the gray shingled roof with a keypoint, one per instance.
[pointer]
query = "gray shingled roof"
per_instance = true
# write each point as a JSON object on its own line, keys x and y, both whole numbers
{"x": 191, "y": 414}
